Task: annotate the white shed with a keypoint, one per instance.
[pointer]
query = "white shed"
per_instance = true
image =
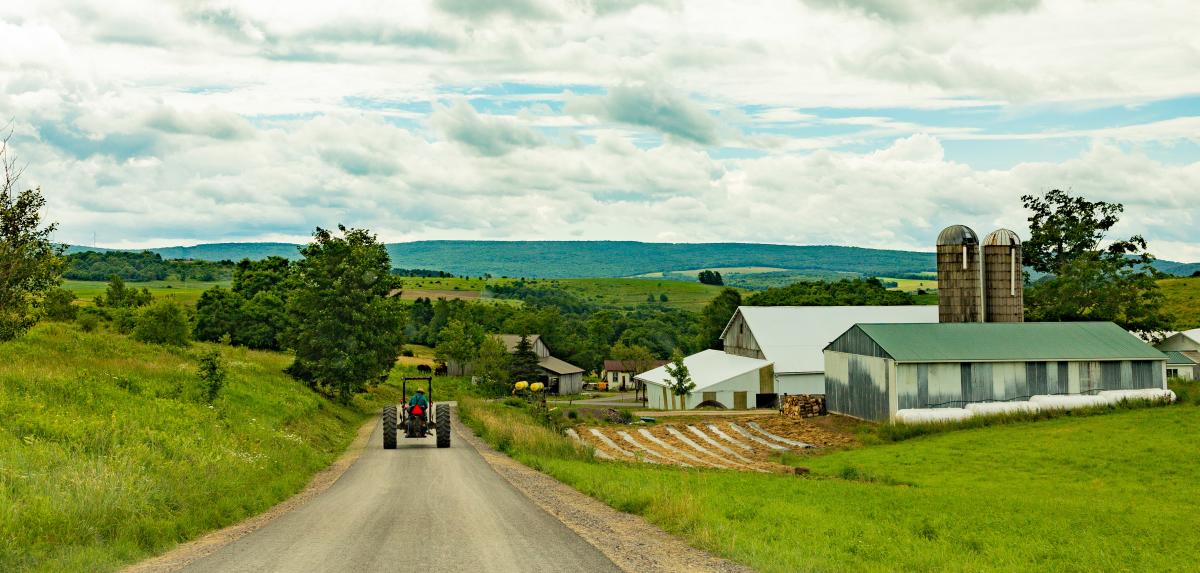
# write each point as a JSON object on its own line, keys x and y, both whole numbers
{"x": 794, "y": 337}
{"x": 731, "y": 380}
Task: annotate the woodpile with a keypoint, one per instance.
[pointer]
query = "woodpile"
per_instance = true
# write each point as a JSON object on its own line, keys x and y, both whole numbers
{"x": 803, "y": 405}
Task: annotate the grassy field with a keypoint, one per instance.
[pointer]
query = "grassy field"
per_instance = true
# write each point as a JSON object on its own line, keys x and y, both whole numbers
{"x": 913, "y": 285}
{"x": 605, "y": 292}
{"x": 693, "y": 273}
{"x": 183, "y": 292}
{"x": 108, "y": 454}
{"x": 1183, "y": 301}
{"x": 1108, "y": 492}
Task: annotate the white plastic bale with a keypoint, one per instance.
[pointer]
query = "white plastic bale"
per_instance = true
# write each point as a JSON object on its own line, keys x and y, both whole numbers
{"x": 931, "y": 415}
{"x": 1114, "y": 396}
{"x": 995, "y": 408}
{"x": 1045, "y": 401}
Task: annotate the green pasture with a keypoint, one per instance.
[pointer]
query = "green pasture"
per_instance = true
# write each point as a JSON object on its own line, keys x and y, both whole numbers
{"x": 1182, "y": 300}
{"x": 186, "y": 292}
{"x": 1107, "y": 492}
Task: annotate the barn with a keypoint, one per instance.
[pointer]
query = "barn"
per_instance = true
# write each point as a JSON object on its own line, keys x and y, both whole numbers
{"x": 727, "y": 379}
{"x": 1186, "y": 343}
{"x": 793, "y": 337}
{"x": 1180, "y": 365}
{"x": 873, "y": 371}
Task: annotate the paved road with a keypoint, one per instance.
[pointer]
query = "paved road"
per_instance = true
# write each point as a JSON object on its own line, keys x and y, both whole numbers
{"x": 415, "y": 508}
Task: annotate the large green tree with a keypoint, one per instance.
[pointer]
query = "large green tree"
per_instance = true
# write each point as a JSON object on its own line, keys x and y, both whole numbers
{"x": 30, "y": 265}
{"x": 491, "y": 366}
{"x": 716, "y": 315}
{"x": 345, "y": 329}
{"x": 1089, "y": 277}
{"x": 458, "y": 344}
{"x": 523, "y": 364}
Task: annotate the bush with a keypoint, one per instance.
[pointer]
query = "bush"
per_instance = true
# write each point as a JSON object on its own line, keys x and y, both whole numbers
{"x": 88, "y": 321}
{"x": 124, "y": 320}
{"x": 212, "y": 374}
{"x": 164, "y": 322}
{"x": 57, "y": 304}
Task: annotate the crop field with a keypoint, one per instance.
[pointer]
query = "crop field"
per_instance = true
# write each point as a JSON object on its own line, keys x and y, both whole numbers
{"x": 913, "y": 285}
{"x": 1113, "y": 491}
{"x": 108, "y": 453}
{"x": 184, "y": 292}
{"x": 1182, "y": 301}
{"x": 693, "y": 273}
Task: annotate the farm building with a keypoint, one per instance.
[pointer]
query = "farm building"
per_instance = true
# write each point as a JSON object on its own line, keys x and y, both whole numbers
{"x": 793, "y": 337}
{"x": 1186, "y": 342}
{"x": 727, "y": 379}
{"x": 875, "y": 370}
{"x": 619, "y": 373}
{"x": 1180, "y": 365}
{"x": 562, "y": 377}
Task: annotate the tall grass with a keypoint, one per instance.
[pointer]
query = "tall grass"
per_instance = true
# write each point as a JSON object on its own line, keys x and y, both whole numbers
{"x": 109, "y": 451}
{"x": 513, "y": 430}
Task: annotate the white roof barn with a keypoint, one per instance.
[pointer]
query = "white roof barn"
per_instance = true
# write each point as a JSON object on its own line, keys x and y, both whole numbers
{"x": 731, "y": 380}
{"x": 793, "y": 337}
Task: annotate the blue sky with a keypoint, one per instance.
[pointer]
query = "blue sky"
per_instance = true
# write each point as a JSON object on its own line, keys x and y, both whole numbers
{"x": 854, "y": 122}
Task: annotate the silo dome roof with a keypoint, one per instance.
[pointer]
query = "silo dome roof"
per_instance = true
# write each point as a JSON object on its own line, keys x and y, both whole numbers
{"x": 957, "y": 235}
{"x": 1002, "y": 238}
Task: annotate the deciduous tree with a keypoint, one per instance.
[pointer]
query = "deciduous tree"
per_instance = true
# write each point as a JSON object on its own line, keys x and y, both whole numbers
{"x": 681, "y": 383}
{"x": 30, "y": 265}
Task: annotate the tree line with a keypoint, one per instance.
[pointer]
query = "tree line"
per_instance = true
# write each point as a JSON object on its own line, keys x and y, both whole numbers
{"x": 141, "y": 267}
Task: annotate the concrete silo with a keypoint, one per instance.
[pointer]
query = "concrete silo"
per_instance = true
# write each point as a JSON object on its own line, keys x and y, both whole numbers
{"x": 960, "y": 275}
{"x": 1004, "y": 280}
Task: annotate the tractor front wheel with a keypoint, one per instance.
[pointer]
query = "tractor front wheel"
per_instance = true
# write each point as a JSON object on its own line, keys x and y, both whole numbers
{"x": 443, "y": 425}
{"x": 389, "y": 427}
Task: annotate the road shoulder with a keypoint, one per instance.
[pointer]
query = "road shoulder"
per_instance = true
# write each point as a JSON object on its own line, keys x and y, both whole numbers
{"x": 629, "y": 541}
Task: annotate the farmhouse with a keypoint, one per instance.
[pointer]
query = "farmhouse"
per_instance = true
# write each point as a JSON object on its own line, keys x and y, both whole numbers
{"x": 562, "y": 377}
{"x": 724, "y": 378}
{"x": 1180, "y": 365}
{"x": 875, "y": 370}
{"x": 793, "y": 337}
{"x": 1186, "y": 342}
{"x": 619, "y": 374}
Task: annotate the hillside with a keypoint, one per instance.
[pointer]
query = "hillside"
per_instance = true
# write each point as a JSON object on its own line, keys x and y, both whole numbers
{"x": 1183, "y": 301}
{"x": 108, "y": 453}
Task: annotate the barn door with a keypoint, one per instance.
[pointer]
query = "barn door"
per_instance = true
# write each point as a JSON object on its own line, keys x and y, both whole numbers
{"x": 739, "y": 400}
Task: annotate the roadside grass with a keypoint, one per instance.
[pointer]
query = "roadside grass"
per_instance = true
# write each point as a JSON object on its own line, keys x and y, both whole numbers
{"x": 108, "y": 452}
{"x": 180, "y": 291}
{"x": 1078, "y": 493}
{"x": 1182, "y": 301}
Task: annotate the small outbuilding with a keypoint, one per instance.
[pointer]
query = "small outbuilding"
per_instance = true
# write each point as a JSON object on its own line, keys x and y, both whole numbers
{"x": 874, "y": 370}
{"x": 1180, "y": 365}
{"x": 729, "y": 380}
{"x": 1186, "y": 343}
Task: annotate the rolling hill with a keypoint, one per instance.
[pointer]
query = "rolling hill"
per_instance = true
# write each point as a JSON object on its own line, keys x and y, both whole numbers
{"x": 567, "y": 259}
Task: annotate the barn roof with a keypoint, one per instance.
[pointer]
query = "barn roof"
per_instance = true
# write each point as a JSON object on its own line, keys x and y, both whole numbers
{"x": 628, "y": 365}
{"x": 1175, "y": 358}
{"x": 557, "y": 366}
{"x": 1009, "y": 342}
{"x": 707, "y": 368}
{"x": 510, "y": 341}
{"x": 793, "y": 336}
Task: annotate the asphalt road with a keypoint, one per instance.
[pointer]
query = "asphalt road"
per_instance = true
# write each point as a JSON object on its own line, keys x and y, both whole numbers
{"x": 415, "y": 508}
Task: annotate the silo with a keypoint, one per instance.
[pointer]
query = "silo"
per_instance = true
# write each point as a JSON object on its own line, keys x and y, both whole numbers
{"x": 960, "y": 277}
{"x": 1004, "y": 279}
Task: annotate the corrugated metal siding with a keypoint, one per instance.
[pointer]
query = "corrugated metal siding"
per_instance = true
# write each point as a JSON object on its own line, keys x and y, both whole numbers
{"x": 855, "y": 341}
{"x": 857, "y": 385}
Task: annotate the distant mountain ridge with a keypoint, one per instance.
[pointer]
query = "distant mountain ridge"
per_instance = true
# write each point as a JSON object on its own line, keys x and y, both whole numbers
{"x": 565, "y": 259}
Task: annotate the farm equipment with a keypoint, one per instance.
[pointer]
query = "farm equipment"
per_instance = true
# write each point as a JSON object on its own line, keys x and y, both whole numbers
{"x": 415, "y": 420}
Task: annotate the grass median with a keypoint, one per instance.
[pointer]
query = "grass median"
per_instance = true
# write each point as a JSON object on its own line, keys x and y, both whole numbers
{"x": 1102, "y": 492}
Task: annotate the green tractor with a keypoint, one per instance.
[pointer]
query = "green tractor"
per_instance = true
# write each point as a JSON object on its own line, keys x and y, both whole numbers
{"x": 415, "y": 419}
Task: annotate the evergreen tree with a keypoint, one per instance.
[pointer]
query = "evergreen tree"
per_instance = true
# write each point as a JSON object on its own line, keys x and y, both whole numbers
{"x": 681, "y": 383}
{"x": 524, "y": 362}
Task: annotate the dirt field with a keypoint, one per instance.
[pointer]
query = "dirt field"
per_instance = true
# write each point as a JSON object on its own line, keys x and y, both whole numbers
{"x": 751, "y": 442}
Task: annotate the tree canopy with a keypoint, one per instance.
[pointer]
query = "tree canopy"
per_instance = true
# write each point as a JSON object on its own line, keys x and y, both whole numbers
{"x": 345, "y": 329}
{"x": 30, "y": 265}
{"x": 1089, "y": 277}
{"x": 848, "y": 292}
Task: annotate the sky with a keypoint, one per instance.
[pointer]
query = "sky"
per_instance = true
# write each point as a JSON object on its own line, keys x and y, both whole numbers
{"x": 871, "y": 123}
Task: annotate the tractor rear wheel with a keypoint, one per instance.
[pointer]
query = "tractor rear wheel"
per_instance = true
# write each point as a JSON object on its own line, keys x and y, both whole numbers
{"x": 389, "y": 427}
{"x": 443, "y": 425}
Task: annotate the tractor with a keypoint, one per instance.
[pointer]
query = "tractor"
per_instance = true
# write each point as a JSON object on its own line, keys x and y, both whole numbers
{"x": 416, "y": 421}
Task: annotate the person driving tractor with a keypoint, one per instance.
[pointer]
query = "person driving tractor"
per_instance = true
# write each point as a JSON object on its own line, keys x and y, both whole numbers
{"x": 419, "y": 399}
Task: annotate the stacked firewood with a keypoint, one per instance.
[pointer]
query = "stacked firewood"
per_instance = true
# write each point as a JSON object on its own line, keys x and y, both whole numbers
{"x": 803, "y": 405}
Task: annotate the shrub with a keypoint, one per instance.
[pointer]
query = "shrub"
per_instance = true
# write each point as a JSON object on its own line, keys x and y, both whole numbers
{"x": 164, "y": 322}
{"x": 57, "y": 304}
{"x": 88, "y": 321}
{"x": 212, "y": 374}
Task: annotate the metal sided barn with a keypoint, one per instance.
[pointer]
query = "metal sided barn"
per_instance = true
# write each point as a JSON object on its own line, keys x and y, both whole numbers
{"x": 730, "y": 380}
{"x": 874, "y": 370}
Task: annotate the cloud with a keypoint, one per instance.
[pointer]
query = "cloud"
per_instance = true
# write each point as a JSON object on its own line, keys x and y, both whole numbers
{"x": 909, "y": 10}
{"x": 484, "y": 9}
{"x": 652, "y": 106}
{"x": 213, "y": 123}
{"x": 491, "y": 136}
